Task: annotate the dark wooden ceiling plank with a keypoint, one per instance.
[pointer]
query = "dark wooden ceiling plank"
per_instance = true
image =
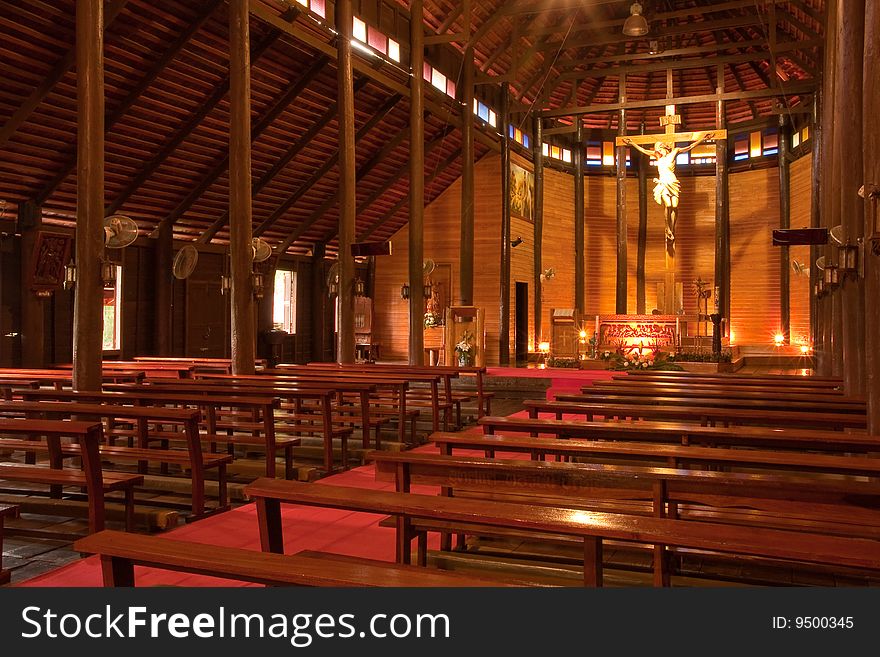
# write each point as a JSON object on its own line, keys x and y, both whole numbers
{"x": 123, "y": 107}
{"x": 23, "y": 113}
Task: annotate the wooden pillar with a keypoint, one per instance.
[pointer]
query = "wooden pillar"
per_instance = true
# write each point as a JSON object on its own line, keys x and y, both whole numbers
{"x": 466, "y": 246}
{"x": 241, "y": 253}
{"x": 642, "y": 246}
{"x": 622, "y": 266}
{"x": 416, "y": 187}
{"x": 871, "y": 136}
{"x": 816, "y": 154}
{"x": 318, "y": 303}
{"x": 163, "y": 280}
{"x": 538, "y": 159}
{"x": 579, "y": 227}
{"x": 504, "y": 324}
{"x": 784, "y": 223}
{"x": 851, "y": 43}
{"x": 347, "y": 181}
{"x": 88, "y": 304}
{"x": 722, "y": 212}
{"x": 33, "y": 309}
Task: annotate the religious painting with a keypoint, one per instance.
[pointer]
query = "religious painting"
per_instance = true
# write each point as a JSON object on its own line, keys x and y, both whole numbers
{"x": 51, "y": 253}
{"x": 522, "y": 193}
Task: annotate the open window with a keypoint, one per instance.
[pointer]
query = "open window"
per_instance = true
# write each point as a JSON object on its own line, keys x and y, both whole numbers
{"x": 112, "y": 340}
{"x": 284, "y": 307}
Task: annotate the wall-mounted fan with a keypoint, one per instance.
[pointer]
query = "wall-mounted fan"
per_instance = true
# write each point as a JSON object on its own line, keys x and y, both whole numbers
{"x": 119, "y": 231}
{"x": 428, "y": 267}
{"x": 262, "y": 249}
{"x": 836, "y": 235}
{"x": 799, "y": 268}
{"x": 185, "y": 262}
{"x": 820, "y": 263}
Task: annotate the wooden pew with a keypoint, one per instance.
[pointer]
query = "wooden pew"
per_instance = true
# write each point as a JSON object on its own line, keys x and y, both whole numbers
{"x": 267, "y": 425}
{"x": 431, "y": 380}
{"x": 736, "y": 377}
{"x": 173, "y": 370}
{"x": 590, "y": 528}
{"x": 793, "y": 382}
{"x": 704, "y": 415}
{"x": 673, "y": 455}
{"x": 97, "y": 483}
{"x": 286, "y": 389}
{"x": 723, "y": 392}
{"x": 262, "y": 407}
{"x": 846, "y": 506}
{"x": 141, "y": 417}
{"x": 10, "y": 512}
{"x": 687, "y": 434}
{"x": 120, "y": 552}
{"x": 623, "y": 398}
{"x": 60, "y": 379}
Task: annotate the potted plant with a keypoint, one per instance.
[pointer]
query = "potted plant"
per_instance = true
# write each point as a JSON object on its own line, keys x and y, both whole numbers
{"x": 464, "y": 349}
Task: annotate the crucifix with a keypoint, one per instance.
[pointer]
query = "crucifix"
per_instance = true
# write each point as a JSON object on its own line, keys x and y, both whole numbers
{"x": 667, "y": 188}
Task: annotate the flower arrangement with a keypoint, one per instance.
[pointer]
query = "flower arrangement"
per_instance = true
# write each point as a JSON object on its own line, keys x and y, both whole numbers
{"x": 431, "y": 320}
{"x": 464, "y": 349}
{"x": 643, "y": 361}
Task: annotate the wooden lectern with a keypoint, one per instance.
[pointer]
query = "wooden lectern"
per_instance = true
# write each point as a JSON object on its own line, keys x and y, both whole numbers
{"x": 470, "y": 320}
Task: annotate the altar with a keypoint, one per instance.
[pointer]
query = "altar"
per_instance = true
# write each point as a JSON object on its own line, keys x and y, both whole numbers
{"x": 640, "y": 333}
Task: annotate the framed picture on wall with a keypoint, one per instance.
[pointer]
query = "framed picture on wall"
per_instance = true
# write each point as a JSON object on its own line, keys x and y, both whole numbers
{"x": 522, "y": 192}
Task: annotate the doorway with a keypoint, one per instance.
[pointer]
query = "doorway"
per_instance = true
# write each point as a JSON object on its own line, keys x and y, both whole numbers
{"x": 522, "y": 323}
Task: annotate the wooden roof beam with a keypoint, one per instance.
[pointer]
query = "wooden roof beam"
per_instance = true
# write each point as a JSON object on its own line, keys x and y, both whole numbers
{"x": 24, "y": 111}
{"x": 325, "y": 168}
{"x": 258, "y": 49}
{"x": 155, "y": 70}
{"x": 796, "y": 88}
{"x": 281, "y": 103}
{"x": 449, "y": 161}
{"x": 281, "y": 163}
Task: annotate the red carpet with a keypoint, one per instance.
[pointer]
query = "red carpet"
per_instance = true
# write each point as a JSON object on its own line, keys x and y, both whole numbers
{"x": 563, "y": 380}
{"x": 305, "y": 528}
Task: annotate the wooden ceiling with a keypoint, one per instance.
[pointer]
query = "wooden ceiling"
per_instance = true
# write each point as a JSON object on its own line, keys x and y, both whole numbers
{"x": 167, "y": 107}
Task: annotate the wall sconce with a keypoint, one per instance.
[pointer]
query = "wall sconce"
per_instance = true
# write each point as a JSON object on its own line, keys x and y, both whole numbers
{"x": 225, "y": 284}
{"x": 404, "y": 291}
{"x": 849, "y": 258}
{"x": 544, "y": 347}
{"x": 516, "y": 242}
{"x": 426, "y": 290}
{"x": 108, "y": 273}
{"x": 359, "y": 287}
{"x": 830, "y": 275}
{"x": 69, "y": 276}
{"x": 820, "y": 288}
{"x": 258, "y": 285}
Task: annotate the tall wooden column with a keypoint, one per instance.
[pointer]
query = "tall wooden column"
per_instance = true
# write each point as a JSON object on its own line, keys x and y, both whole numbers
{"x": 88, "y": 305}
{"x": 163, "y": 248}
{"x": 318, "y": 303}
{"x": 784, "y": 223}
{"x": 416, "y": 187}
{"x": 871, "y": 141}
{"x": 816, "y": 154}
{"x": 466, "y": 246}
{"x": 33, "y": 308}
{"x": 347, "y": 182}
{"x": 851, "y": 43}
{"x": 722, "y": 211}
{"x": 241, "y": 253}
{"x": 504, "y": 323}
{"x": 622, "y": 265}
{"x": 538, "y": 159}
{"x": 642, "y": 246}
{"x": 579, "y": 227}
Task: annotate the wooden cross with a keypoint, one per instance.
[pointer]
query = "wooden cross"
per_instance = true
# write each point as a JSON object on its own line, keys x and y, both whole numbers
{"x": 670, "y": 136}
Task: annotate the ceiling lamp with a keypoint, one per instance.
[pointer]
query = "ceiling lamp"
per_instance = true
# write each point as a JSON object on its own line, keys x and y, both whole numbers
{"x": 635, "y": 25}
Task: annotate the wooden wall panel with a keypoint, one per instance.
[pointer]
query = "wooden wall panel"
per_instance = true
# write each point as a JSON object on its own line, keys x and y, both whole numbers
{"x": 801, "y": 199}
{"x": 558, "y": 252}
{"x": 754, "y": 261}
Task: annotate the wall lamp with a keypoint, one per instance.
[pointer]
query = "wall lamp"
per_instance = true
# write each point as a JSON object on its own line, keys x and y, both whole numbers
{"x": 516, "y": 242}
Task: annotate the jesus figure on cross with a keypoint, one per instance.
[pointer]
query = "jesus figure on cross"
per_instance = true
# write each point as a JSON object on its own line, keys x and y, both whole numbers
{"x": 668, "y": 189}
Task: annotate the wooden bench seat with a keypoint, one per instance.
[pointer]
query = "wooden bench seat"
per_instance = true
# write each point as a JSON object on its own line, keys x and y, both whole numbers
{"x": 647, "y": 389}
{"x": 705, "y": 415}
{"x": 90, "y": 476}
{"x": 120, "y": 552}
{"x": 591, "y": 528}
{"x": 675, "y": 456}
{"x": 11, "y": 512}
{"x": 688, "y": 434}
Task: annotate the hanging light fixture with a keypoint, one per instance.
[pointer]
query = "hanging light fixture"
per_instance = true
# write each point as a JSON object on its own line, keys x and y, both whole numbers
{"x": 69, "y": 275}
{"x": 635, "y": 25}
